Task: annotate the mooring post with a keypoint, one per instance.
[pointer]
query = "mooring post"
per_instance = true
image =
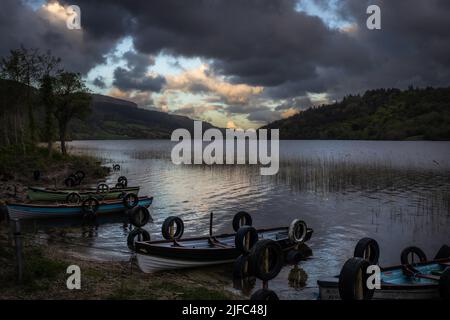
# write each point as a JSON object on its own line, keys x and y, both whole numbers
{"x": 18, "y": 243}
{"x": 211, "y": 224}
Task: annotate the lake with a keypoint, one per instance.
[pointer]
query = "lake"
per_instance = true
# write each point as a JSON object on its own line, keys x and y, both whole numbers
{"x": 395, "y": 192}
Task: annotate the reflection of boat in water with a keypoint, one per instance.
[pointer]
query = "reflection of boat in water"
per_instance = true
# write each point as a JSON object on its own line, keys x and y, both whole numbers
{"x": 395, "y": 284}
{"x": 33, "y": 210}
{"x": 201, "y": 251}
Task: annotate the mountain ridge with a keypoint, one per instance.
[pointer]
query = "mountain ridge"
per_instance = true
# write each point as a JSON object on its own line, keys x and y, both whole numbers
{"x": 380, "y": 114}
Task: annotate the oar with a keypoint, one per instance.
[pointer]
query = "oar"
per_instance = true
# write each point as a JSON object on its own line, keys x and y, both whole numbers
{"x": 410, "y": 271}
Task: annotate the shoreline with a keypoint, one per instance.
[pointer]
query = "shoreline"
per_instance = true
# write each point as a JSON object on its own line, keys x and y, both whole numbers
{"x": 45, "y": 276}
{"x": 45, "y": 271}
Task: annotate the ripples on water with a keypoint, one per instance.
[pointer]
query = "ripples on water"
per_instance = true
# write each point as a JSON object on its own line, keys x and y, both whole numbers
{"x": 395, "y": 192}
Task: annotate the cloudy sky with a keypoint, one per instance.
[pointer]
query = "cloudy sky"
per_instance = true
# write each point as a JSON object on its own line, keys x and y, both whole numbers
{"x": 238, "y": 63}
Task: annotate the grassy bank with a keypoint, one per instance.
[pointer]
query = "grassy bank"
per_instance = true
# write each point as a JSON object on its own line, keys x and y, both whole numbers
{"x": 45, "y": 277}
{"x": 17, "y": 168}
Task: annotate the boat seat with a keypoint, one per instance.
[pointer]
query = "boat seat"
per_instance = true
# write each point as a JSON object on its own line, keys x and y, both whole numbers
{"x": 281, "y": 234}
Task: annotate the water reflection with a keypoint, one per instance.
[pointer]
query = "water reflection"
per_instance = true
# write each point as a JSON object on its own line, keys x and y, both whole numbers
{"x": 395, "y": 192}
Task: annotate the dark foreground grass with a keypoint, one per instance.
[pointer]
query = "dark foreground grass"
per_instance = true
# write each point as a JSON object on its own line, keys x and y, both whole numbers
{"x": 45, "y": 277}
{"x": 17, "y": 165}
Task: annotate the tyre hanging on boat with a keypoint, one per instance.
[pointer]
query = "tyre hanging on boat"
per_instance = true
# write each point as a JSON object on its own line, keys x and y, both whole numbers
{"x": 75, "y": 178}
{"x": 368, "y": 249}
{"x": 264, "y": 295}
{"x": 73, "y": 197}
{"x": 102, "y": 188}
{"x": 245, "y": 239}
{"x": 120, "y": 185}
{"x": 80, "y": 175}
{"x": 240, "y": 219}
{"x": 168, "y": 227}
{"x": 139, "y": 216}
{"x": 297, "y": 231}
{"x": 137, "y": 234}
{"x": 90, "y": 204}
{"x": 116, "y": 167}
{"x": 123, "y": 180}
{"x": 409, "y": 255}
{"x": 266, "y": 259}
{"x": 130, "y": 200}
{"x": 353, "y": 280}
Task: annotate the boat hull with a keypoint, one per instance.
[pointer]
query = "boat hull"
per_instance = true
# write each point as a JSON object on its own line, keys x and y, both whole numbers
{"x": 43, "y": 194}
{"x": 34, "y": 211}
{"x": 329, "y": 291}
{"x": 394, "y": 285}
{"x": 161, "y": 255}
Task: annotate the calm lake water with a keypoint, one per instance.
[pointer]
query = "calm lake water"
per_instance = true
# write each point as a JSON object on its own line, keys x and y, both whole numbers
{"x": 395, "y": 192}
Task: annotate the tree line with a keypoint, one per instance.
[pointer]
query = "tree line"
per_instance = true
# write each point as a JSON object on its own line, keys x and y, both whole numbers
{"x": 31, "y": 80}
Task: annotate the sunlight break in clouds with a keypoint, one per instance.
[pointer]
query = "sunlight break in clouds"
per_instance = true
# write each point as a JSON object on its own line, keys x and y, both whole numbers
{"x": 202, "y": 79}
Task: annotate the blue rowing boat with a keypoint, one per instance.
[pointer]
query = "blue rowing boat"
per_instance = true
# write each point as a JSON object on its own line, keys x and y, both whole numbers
{"x": 396, "y": 283}
{"x": 36, "y": 211}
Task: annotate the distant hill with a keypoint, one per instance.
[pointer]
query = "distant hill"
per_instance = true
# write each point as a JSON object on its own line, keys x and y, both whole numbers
{"x": 113, "y": 118}
{"x": 383, "y": 114}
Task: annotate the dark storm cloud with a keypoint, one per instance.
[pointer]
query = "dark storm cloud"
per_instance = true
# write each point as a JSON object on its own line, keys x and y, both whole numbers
{"x": 412, "y": 48}
{"x": 136, "y": 77}
{"x": 99, "y": 82}
{"x": 257, "y": 42}
{"x": 79, "y": 50}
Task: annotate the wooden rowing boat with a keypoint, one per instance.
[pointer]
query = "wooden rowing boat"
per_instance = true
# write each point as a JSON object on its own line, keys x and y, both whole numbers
{"x": 160, "y": 255}
{"x": 395, "y": 284}
{"x": 47, "y": 194}
{"x": 34, "y": 211}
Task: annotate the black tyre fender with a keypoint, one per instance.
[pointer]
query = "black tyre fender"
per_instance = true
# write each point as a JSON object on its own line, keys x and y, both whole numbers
{"x": 80, "y": 175}
{"x": 242, "y": 267}
{"x": 123, "y": 180}
{"x": 116, "y": 167}
{"x": 244, "y": 234}
{"x": 258, "y": 259}
{"x": 137, "y": 234}
{"x": 444, "y": 252}
{"x": 89, "y": 205}
{"x": 120, "y": 185}
{"x": 170, "y": 221}
{"x": 297, "y": 231}
{"x": 240, "y": 217}
{"x": 264, "y": 295}
{"x": 75, "y": 178}
{"x": 404, "y": 256}
{"x": 73, "y": 197}
{"x": 139, "y": 216}
{"x": 348, "y": 280}
{"x": 102, "y": 188}
{"x": 368, "y": 249}
{"x": 130, "y": 200}
{"x": 444, "y": 284}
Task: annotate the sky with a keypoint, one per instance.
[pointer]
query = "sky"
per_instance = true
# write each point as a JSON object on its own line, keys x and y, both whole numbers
{"x": 237, "y": 63}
